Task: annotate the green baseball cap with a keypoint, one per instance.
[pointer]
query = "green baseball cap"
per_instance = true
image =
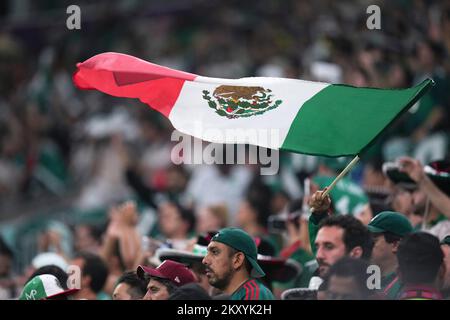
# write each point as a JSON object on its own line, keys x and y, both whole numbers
{"x": 241, "y": 241}
{"x": 44, "y": 286}
{"x": 390, "y": 221}
{"x": 446, "y": 240}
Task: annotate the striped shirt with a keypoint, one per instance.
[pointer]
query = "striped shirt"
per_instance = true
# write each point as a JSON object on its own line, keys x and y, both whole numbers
{"x": 252, "y": 289}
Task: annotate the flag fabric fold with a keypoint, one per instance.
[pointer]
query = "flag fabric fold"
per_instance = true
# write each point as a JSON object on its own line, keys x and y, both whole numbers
{"x": 285, "y": 114}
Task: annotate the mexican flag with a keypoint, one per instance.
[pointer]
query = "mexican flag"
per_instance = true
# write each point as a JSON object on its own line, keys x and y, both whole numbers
{"x": 301, "y": 116}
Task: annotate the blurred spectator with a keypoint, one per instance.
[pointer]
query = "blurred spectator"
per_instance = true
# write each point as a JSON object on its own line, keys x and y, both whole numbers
{"x": 421, "y": 267}
{"x": 7, "y": 284}
{"x": 190, "y": 291}
{"x": 218, "y": 185}
{"x": 347, "y": 280}
{"x": 296, "y": 225}
{"x": 87, "y": 238}
{"x": 164, "y": 279}
{"x": 254, "y": 212}
{"x": 212, "y": 218}
{"x": 129, "y": 287}
{"x": 121, "y": 246}
{"x": 176, "y": 224}
{"x": 94, "y": 273}
{"x": 387, "y": 229}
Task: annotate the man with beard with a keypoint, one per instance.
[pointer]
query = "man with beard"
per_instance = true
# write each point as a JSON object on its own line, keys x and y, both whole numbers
{"x": 387, "y": 229}
{"x": 232, "y": 267}
{"x": 333, "y": 237}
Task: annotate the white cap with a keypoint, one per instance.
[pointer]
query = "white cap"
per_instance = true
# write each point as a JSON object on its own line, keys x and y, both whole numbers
{"x": 49, "y": 258}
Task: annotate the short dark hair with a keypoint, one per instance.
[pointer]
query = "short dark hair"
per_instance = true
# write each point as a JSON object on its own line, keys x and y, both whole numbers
{"x": 419, "y": 258}
{"x": 350, "y": 267}
{"x": 170, "y": 285}
{"x": 138, "y": 286}
{"x": 96, "y": 268}
{"x": 259, "y": 197}
{"x": 355, "y": 233}
{"x": 187, "y": 215}
{"x": 59, "y": 273}
{"x": 190, "y": 291}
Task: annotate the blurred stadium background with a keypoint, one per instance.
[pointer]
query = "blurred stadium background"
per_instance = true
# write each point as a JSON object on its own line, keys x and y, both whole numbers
{"x": 65, "y": 154}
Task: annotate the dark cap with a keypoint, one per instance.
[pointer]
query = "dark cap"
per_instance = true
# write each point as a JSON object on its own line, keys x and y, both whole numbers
{"x": 399, "y": 178}
{"x": 446, "y": 240}
{"x": 389, "y": 221}
{"x": 439, "y": 173}
{"x": 176, "y": 272}
{"x": 241, "y": 241}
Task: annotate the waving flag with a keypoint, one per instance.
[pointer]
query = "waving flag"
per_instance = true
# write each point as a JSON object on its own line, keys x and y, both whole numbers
{"x": 309, "y": 117}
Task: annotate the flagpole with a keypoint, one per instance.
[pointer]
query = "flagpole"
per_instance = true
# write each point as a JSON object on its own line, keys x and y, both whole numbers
{"x": 339, "y": 177}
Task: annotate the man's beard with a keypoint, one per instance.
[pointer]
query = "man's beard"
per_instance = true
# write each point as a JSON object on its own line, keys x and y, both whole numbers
{"x": 323, "y": 268}
{"x": 220, "y": 283}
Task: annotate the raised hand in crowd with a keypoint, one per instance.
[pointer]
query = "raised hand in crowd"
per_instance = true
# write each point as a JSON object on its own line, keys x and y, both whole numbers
{"x": 122, "y": 232}
{"x": 416, "y": 172}
{"x": 318, "y": 203}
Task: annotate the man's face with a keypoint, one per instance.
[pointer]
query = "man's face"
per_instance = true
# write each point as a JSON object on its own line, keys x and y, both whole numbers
{"x": 330, "y": 247}
{"x": 121, "y": 292}
{"x": 169, "y": 219}
{"x": 156, "y": 291}
{"x": 403, "y": 201}
{"x": 342, "y": 288}
{"x": 85, "y": 280}
{"x": 246, "y": 215}
{"x": 218, "y": 264}
{"x": 419, "y": 200}
{"x": 383, "y": 252}
{"x": 207, "y": 221}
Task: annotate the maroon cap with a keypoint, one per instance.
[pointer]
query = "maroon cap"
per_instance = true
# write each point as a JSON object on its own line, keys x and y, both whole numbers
{"x": 176, "y": 272}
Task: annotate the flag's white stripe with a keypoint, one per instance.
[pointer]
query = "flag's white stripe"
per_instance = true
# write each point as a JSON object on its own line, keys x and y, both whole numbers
{"x": 192, "y": 115}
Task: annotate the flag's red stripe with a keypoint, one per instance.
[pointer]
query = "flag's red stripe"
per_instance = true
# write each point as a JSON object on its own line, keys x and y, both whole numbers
{"x": 125, "y": 76}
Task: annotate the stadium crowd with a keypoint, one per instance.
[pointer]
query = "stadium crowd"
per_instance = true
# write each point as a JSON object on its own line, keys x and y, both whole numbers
{"x": 88, "y": 181}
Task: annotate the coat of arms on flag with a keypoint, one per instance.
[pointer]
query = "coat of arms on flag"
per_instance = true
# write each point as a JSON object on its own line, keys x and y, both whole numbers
{"x": 239, "y": 101}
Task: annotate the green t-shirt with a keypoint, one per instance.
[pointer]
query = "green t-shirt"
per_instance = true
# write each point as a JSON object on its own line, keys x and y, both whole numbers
{"x": 346, "y": 197}
{"x": 252, "y": 289}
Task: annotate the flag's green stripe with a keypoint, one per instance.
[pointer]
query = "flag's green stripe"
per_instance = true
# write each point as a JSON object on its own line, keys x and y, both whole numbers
{"x": 343, "y": 120}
